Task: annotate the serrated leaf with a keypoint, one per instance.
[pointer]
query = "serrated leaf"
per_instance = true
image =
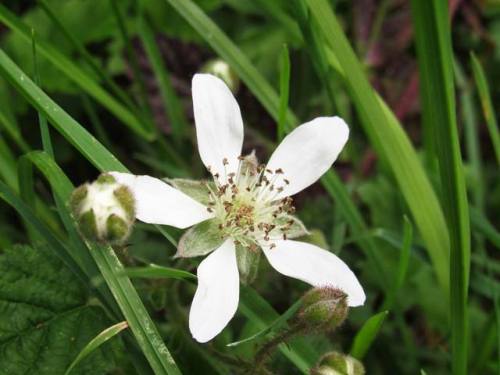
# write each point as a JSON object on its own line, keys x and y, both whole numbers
{"x": 44, "y": 317}
{"x": 248, "y": 264}
{"x": 199, "y": 240}
{"x": 196, "y": 189}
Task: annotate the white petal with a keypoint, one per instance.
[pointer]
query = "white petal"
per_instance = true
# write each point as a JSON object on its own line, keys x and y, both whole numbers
{"x": 219, "y": 126}
{"x": 216, "y": 299}
{"x": 159, "y": 203}
{"x": 315, "y": 266}
{"x": 308, "y": 152}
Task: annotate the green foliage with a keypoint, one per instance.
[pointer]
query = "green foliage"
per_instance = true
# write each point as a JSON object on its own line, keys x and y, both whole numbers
{"x": 45, "y": 317}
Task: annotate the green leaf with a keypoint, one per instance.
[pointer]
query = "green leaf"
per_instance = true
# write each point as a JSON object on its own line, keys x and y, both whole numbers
{"x": 154, "y": 271}
{"x": 389, "y": 139}
{"x": 486, "y": 104}
{"x": 284, "y": 90}
{"x": 434, "y": 51}
{"x": 45, "y": 318}
{"x": 199, "y": 240}
{"x": 248, "y": 263}
{"x": 367, "y": 334}
{"x": 196, "y": 189}
{"x": 96, "y": 342}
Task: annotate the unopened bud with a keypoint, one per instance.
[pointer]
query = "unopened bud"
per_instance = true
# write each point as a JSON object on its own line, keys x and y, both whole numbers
{"x": 222, "y": 70}
{"x": 335, "y": 363}
{"x": 104, "y": 210}
{"x": 323, "y": 308}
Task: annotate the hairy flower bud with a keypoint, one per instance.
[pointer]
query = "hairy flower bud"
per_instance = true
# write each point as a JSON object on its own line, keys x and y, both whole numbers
{"x": 335, "y": 363}
{"x": 222, "y": 70}
{"x": 104, "y": 210}
{"x": 323, "y": 308}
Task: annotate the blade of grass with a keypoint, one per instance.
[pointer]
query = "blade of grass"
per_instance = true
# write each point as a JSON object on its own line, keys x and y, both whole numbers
{"x": 434, "y": 52}
{"x": 279, "y": 322}
{"x": 404, "y": 259}
{"x": 486, "y": 104}
{"x": 171, "y": 101}
{"x": 134, "y": 63}
{"x": 471, "y": 135}
{"x": 7, "y": 164}
{"x": 77, "y": 75}
{"x": 44, "y": 127}
{"x": 284, "y": 90}
{"x": 484, "y": 226}
{"x": 154, "y": 271}
{"x": 96, "y": 342}
{"x": 390, "y": 141}
{"x": 367, "y": 334}
{"x": 13, "y": 131}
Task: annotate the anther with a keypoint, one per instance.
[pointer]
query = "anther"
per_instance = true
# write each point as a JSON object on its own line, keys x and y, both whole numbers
{"x": 225, "y": 161}
{"x": 279, "y": 171}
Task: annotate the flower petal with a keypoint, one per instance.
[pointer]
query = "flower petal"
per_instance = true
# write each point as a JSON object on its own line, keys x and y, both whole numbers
{"x": 219, "y": 126}
{"x": 315, "y": 266}
{"x": 159, "y": 203}
{"x": 216, "y": 299}
{"x": 308, "y": 152}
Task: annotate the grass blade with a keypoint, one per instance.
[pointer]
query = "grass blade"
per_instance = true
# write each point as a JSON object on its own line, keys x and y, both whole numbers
{"x": 171, "y": 101}
{"x": 44, "y": 127}
{"x": 404, "y": 260}
{"x": 486, "y": 104}
{"x": 284, "y": 90}
{"x": 96, "y": 342}
{"x": 434, "y": 52}
{"x": 154, "y": 271}
{"x": 272, "y": 327}
{"x": 367, "y": 334}
{"x": 77, "y": 75}
{"x": 389, "y": 139}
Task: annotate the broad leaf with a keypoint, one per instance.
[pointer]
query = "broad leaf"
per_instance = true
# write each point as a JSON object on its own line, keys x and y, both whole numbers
{"x": 45, "y": 318}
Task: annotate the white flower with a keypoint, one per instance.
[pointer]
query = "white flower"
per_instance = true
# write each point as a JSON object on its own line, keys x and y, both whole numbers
{"x": 249, "y": 204}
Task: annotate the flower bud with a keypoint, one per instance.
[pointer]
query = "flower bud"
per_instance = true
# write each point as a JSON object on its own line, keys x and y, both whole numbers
{"x": 335, "y": 363}
{"x": 104, "y": 210}
{"x": 222, "y": 70}
{"x": 323, "y": 308}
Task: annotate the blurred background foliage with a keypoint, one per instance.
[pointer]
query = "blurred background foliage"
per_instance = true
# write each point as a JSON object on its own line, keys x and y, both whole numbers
{"x": 415, "y": 334}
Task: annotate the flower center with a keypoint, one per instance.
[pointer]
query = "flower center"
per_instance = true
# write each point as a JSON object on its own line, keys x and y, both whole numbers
{"x": 247, "y": 206}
